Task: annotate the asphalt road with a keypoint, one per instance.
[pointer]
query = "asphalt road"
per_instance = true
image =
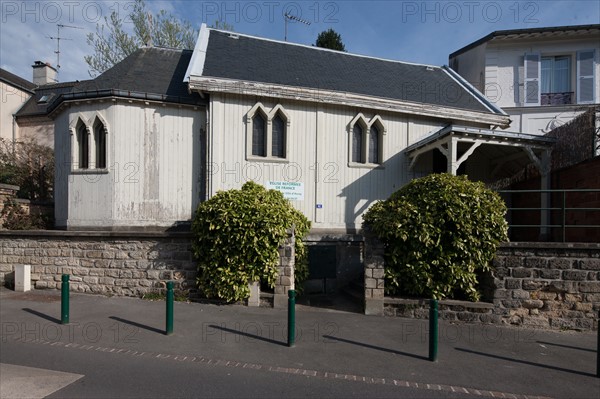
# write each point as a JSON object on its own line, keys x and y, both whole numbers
{"x": 115, "y": 347}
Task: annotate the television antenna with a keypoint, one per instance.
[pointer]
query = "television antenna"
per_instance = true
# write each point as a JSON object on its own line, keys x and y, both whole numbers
{"x": 289, "y": 17}
{"x": 58, "y": 38}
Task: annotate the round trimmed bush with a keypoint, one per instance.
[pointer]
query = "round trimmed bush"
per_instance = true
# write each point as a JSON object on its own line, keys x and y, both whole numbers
{"x": 438, "y": 231}
{"x": 237, "y": 234}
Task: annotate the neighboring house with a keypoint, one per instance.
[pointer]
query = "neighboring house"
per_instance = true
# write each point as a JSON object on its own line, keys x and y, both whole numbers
{"x": 141, "y": 145}
{"x": 23, "y": 114}
{"x": 14, "y": 92}
{"x": 542, "y": 77}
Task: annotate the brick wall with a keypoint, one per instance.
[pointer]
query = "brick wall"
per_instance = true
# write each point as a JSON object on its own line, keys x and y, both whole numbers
{"x": 582, "y": 175}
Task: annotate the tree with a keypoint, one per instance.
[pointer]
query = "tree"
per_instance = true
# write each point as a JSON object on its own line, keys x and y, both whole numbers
{"x": 222, "y": 25}
{"x": 112, "y": 45}
{"x": 330, "y": 39}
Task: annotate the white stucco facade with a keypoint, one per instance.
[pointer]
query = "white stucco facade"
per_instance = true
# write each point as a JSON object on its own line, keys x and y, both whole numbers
{"x": 497, "y": 67}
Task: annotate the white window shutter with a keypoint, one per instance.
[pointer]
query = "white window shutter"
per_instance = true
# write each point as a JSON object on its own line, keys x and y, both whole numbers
{"x": 532, "y": 79}
{"x": 585, "y": 77}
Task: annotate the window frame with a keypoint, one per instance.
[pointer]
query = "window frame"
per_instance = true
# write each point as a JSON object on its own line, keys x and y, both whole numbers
{"x": 78, "y": 123}
{"x": 276, "y": 112}
{"x": 366, "y": 125}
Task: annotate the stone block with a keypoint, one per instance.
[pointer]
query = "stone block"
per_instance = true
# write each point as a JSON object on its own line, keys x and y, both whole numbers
{"x": 374, "y": 307}
{"x": 547, "y": 295}
{"x": 563, "y": 286}
{"x": 521, "y": 272}
{"x": 378, "y": 273}
{"x": 520, "y": 294}
{"x": 501, "y": 272}
{"x": 589, "y": 286}
{"x": 512, "y": 283}
{"x": 377, "y": 293}
{"x": 533, "y": 304}
{"x": 533, "y": 285}
{"x": 584, "y": 307}
{"x": 589, "y": 264}
{"x": 513, "y": 262}
{"x": 370, "y": 283}
{"x": 536, "y": 262}
{"x": 576, "y": 275}
{"x": 535, "y": 321}
{"x": 560, "y": 263}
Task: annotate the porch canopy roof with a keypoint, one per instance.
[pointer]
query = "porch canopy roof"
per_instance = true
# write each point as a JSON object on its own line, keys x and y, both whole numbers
{"x": 502, "y": 147}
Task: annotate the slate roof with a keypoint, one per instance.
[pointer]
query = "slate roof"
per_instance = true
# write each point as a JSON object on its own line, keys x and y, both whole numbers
{"x": 247, "y": 58}
{"x": 33, "y": 106}
{"x": 152, "y": 73}
{"x": 16, "y": 81}
{"x": 152, "y": 70}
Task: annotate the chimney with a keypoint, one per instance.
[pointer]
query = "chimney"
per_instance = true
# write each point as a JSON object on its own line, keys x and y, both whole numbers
{"x": 44, "y": 73}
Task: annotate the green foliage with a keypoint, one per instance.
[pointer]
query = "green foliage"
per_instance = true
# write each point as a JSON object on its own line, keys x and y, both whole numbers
{"x": 438, "y": 231}
{"x": 117, "y": 42}
{"x": 14, "y": 217}
{"x": 222, "y": 25}
{"x": 29, "y": 166}
{"x": 237, "y": 234}
{"x": 330, "y": 39}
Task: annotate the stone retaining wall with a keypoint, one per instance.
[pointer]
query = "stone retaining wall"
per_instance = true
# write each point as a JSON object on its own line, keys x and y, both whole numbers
{"x": 118, "y": 263}
{"x": 100, "y": 262}
{"x": 540, "y": 285}
{"x": 548, "y": 285}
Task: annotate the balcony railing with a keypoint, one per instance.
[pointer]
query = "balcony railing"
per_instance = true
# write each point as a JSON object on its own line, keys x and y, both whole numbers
{"x": 557, "y": 98}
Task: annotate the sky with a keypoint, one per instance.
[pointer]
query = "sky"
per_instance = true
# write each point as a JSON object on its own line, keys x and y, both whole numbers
{"x": 414, "y": 31}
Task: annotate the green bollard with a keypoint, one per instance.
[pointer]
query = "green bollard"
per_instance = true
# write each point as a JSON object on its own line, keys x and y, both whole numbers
{"x": 291, "y": 317}
{"x": 169, "y": 329}
{"x": 64, "y": 302}
{"x": 433, "y": 330}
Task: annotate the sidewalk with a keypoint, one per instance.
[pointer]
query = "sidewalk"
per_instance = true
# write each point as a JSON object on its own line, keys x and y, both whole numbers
{"x": 473, "y": 359}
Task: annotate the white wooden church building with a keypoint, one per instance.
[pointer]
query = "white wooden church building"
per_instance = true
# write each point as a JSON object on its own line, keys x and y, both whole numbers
{"x": 144, "y": 143}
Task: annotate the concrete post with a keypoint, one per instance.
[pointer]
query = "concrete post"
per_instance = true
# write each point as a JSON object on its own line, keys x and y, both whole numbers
{"x": 22, "y": 278}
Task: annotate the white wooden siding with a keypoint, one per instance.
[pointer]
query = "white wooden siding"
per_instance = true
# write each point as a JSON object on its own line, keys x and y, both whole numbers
{"x": 317, "y": 156}
{"x": 154, "y": 165}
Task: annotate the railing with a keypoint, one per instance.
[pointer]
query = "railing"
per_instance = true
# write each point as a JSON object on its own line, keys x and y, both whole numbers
{"x": 557, "y": 98}
{"x": 557, "y": 216}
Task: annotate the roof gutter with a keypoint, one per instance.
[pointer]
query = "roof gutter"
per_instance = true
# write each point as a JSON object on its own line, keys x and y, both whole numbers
{"x": 93, "y": 94}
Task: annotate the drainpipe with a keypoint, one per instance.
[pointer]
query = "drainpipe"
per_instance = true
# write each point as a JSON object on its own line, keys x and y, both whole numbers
{"x": 208, "y": 155}
{"x": 14, "y": 132}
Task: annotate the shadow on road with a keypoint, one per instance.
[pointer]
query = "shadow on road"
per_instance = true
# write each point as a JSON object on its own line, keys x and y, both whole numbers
{"x": 245, "y": 334}
{"x": 136, "y": 324}
{"x": 42, "y": 315}
{"x": 546, "y": 366}
{"x": 375, "y": 347}
{"x": 566, "y": 346}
